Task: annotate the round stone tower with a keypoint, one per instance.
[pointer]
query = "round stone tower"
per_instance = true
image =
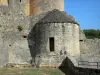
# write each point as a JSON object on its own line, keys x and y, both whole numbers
{"x": 57, "y": 36}
{"x": 39, "y": 6}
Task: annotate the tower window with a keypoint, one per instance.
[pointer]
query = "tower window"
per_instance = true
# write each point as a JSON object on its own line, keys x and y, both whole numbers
{"x": 24, "y": 36}
{"x": 20, "y": 0}
{"x": 51, "y": 44}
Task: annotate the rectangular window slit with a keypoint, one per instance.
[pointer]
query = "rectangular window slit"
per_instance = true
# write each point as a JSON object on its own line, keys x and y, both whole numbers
{"x": 81, "y": 40}
{"x": 51, "y": 44}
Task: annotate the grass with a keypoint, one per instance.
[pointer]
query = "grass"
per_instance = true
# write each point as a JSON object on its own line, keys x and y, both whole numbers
{"x": 31, "y": 71}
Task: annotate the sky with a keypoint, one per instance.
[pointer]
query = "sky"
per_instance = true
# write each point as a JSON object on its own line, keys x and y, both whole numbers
{"x": 86, "y": 12}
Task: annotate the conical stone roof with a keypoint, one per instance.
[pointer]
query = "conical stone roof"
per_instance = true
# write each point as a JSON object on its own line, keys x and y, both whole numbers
{"x": 56, "y": 16}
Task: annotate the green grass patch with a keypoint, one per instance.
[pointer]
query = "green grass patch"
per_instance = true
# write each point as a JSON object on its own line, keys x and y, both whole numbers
{"x": 31, "y": 71}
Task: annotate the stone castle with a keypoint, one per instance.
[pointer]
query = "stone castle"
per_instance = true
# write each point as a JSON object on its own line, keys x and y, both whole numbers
{"x": 40, "y": 33}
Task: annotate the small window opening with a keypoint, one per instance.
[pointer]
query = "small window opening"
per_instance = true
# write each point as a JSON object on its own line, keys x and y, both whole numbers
{"x": 24, "y": 36}
{"x": 51, "y": 44}
{"x": 20, "y": 0}
{"x": 9, "y": 45}
{"x": 81, "y": 40}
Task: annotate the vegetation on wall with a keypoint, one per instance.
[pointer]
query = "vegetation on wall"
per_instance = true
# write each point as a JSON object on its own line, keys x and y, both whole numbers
{"x": 92, "y": 33}
{"x": 20, "y": 28}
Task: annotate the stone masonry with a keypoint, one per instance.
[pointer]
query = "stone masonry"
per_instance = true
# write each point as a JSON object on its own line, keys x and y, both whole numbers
{"x": 33, "y": 32}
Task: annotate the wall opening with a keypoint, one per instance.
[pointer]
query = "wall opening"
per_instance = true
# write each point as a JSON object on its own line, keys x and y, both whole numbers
{"x": 81, "y": 40}
{"x": 9, "y": 45}
{"x": 20, "y": 0}
{"x": 51, "y": 44}
{"x": 24, "y": 36}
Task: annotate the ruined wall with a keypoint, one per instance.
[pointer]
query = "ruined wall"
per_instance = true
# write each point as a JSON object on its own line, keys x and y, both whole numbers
{"x": 82, "y": 35}
{"x": 90, "y": 52}
{"x": 90, "y": 47}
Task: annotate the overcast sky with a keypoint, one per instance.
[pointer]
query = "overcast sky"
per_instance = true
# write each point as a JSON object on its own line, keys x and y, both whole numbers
{"x": 86, "y": 12}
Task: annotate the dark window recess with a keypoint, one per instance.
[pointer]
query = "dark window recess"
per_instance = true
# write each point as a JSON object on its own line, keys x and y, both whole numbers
{"x": 9, "y": 45}
{"x": 81, "y": 40}
{"x": 24, "y": 36}
{"x": 51, "y": 44}
{"x": 20, "y": 0}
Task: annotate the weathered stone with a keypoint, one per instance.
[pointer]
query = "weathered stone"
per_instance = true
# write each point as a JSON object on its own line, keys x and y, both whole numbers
{"x": 25, "y": 40}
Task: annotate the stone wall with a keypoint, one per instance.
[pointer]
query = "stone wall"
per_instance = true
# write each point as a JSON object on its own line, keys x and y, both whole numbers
{"x": 82, "y": 35}
{"x": 14, "y": 45}
{"x": 90, "y": 47}
{"x": 23, "y": 41}
{"x": 3, "y": 52}
{"x": 65, "y": 37}
{"x": 90, "y": 52}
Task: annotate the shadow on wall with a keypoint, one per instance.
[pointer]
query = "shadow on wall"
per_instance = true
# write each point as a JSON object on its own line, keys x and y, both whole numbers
{"x": 67, "y": 67}
{"x": 31, "y": 43}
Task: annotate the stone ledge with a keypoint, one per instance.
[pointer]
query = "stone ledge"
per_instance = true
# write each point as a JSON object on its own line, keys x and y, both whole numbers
{"x": 13, "y": 65}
